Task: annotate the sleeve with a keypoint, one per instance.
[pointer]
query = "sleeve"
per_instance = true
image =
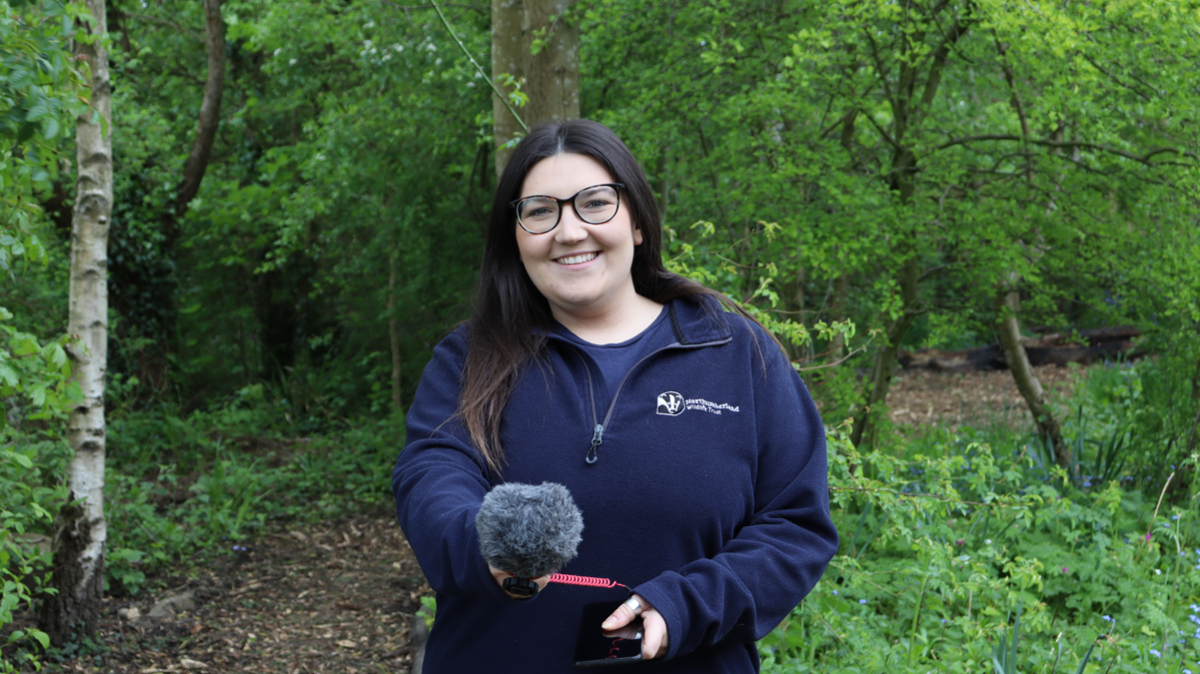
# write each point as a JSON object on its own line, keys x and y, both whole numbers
{"x": 772, "y": 563}
{"x": 439, "y": 482}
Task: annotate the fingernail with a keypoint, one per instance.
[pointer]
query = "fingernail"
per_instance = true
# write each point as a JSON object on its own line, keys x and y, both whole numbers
{"x": 608, "y": 623}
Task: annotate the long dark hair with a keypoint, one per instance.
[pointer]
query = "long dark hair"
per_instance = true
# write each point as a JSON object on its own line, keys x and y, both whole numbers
{"x": 511, "y": 317}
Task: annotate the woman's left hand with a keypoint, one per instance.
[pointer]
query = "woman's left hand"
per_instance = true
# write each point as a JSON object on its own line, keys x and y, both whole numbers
{"x": 654, "y": 627}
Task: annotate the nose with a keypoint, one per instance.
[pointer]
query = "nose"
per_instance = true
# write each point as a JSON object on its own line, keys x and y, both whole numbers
{"x": 570, "y": 228}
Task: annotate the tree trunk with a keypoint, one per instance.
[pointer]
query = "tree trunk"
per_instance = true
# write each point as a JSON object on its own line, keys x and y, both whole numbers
{"x": 394, "y": 330}
{"x": 1191, "y": 445}
{"x": 550, "y": 77}
{"x": 837, "y": 311}
{"x": 1008, "y": 307}
{"x": 80, "y": 530}
{"x": 885, "y": 358}
{"x": 210, "y": 110}
{"x": 154, "y": 368}
{"x": 509, "y": 51}
{"x": 552, "y": 74}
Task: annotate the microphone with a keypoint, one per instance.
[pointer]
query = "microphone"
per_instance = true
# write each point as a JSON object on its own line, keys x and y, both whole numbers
{"x": 529, "y": 531}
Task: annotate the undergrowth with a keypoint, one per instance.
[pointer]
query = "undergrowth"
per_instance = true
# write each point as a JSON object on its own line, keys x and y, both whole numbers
{"x": 961, "y": 552}
{"x": 973, "y": 552}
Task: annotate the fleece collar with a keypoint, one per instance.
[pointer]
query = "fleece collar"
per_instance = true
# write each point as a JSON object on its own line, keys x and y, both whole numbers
{"x": 699, "y": 320}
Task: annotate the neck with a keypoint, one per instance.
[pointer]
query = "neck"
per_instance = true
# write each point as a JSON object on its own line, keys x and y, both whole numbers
{"x": 622, "y": 321}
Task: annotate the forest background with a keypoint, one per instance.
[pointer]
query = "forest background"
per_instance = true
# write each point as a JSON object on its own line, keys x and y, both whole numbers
{"x": 866, "y": 176}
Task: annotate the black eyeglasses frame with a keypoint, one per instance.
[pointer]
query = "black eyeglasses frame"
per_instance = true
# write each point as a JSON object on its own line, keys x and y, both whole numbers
{"x": 617, "y": 187}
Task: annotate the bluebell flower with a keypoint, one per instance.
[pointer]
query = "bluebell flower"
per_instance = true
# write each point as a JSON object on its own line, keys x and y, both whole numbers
{"x": 862, "y": 601}
{"x": 1106, "y": 618}
{"x": 1174, "y": 517}
{"x": 1155, "y": 653}
{"x": 835, "y": 591}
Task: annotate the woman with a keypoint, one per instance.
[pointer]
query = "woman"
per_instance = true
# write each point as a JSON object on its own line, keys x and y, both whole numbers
{"x": 686, "y": 439}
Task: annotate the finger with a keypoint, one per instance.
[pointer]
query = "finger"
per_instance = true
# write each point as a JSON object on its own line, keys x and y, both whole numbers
{"x": 654, "y": 635}
{"x": 501, "y": 576}
{"x": 619, "y": 618}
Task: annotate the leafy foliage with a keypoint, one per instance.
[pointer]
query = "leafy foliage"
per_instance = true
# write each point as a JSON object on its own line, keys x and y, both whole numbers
{"x": 943, "y": 545}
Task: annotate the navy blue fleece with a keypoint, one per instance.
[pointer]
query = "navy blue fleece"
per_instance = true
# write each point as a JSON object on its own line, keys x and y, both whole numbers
{"x": 708, "y": 496}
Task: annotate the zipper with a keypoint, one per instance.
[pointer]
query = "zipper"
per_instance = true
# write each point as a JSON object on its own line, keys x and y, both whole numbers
{"x": 598, "y": 428}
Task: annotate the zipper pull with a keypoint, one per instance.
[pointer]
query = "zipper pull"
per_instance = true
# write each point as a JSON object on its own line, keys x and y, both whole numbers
{"x": 597, "y": 438}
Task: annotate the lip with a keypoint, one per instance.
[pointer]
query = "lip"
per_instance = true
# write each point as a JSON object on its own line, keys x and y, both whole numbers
{"x": 560, "y": 260}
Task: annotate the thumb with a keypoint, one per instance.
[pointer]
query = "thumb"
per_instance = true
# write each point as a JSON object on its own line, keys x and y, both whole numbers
{"x": 621, "y": 617}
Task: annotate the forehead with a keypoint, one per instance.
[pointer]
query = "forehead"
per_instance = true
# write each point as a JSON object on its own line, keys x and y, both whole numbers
{"x": 563, "y": 175}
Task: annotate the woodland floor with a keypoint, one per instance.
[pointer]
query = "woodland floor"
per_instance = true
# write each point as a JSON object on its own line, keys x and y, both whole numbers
{"x": 342, "y": 596}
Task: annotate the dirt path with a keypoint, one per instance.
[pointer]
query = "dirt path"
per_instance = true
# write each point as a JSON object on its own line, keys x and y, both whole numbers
{"x": 335, "y": 597}
{"x": 978, "y": 399}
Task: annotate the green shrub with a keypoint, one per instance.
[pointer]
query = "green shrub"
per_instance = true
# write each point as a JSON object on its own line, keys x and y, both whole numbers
{"x": 941, "y": 547}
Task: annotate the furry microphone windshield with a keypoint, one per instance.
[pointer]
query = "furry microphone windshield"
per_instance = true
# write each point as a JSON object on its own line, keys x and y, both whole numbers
{"x": 527, "y": 530}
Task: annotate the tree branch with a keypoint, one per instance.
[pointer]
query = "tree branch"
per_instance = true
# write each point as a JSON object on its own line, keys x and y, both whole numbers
{"x": 1115, "y": 78}
{"x": 406, "y": 8}
{"x": 880, "y": 71}
{"x": 1071, "y": 144}
{"x": 210, "y": 109}
{"x": 939, "y": 63}
{"x": 170, "y": 24}
{"x": 881, "y": 131}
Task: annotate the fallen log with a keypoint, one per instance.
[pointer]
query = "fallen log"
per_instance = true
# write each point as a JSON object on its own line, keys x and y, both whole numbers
{"x": 1051, "y": 349}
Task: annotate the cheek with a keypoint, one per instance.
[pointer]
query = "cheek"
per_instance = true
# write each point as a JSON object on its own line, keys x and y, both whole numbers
{"x": 524, "y": 247}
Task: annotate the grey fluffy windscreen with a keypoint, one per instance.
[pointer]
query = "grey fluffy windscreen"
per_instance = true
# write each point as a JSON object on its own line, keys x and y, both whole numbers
{"x": 529, "y": 530}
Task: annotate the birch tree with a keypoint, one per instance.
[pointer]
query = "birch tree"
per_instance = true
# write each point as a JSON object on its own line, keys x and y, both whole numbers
{"x": 81, "y": 531}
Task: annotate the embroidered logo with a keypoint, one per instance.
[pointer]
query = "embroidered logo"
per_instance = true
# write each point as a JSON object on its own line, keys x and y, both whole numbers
{"x": 670, "y": 403}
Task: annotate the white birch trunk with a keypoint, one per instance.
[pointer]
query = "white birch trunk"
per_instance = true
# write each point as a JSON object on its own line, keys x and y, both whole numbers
{"x": 81, "y": 531}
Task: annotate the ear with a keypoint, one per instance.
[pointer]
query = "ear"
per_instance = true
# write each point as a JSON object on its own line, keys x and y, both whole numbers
{"x": 637, "y": 235}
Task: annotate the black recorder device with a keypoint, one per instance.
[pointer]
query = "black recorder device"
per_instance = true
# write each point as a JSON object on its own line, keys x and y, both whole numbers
{"x": 597, "y": 647}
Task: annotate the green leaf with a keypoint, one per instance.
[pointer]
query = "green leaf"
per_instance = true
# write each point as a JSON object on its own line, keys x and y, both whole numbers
{"x": 51, "y": 128}
{"x": 7, "y": 375}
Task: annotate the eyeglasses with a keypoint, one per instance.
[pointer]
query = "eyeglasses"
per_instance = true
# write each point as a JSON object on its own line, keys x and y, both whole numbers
{"x": 594, "y": 205}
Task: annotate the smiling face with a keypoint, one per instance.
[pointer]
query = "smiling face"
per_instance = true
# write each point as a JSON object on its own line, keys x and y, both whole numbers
{"x": 582, "y": 270}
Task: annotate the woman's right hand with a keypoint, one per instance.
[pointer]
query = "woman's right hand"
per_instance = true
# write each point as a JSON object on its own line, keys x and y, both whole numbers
{"x": 501, "y": 576}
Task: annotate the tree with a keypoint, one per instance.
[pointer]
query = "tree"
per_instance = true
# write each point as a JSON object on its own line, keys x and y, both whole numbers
{"x": 81, "y": 530}
{"x": 40, "y": 83}
{"x": 535, "y": 46}
{"x": 146, "y": 286}
{"x": 884, "y": 139}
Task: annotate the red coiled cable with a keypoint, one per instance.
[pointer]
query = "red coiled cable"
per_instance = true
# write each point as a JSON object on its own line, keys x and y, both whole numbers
{"x": 586, "y": 581}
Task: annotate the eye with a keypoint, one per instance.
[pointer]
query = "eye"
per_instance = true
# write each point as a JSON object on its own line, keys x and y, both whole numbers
{"x": 537, "y": 208}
